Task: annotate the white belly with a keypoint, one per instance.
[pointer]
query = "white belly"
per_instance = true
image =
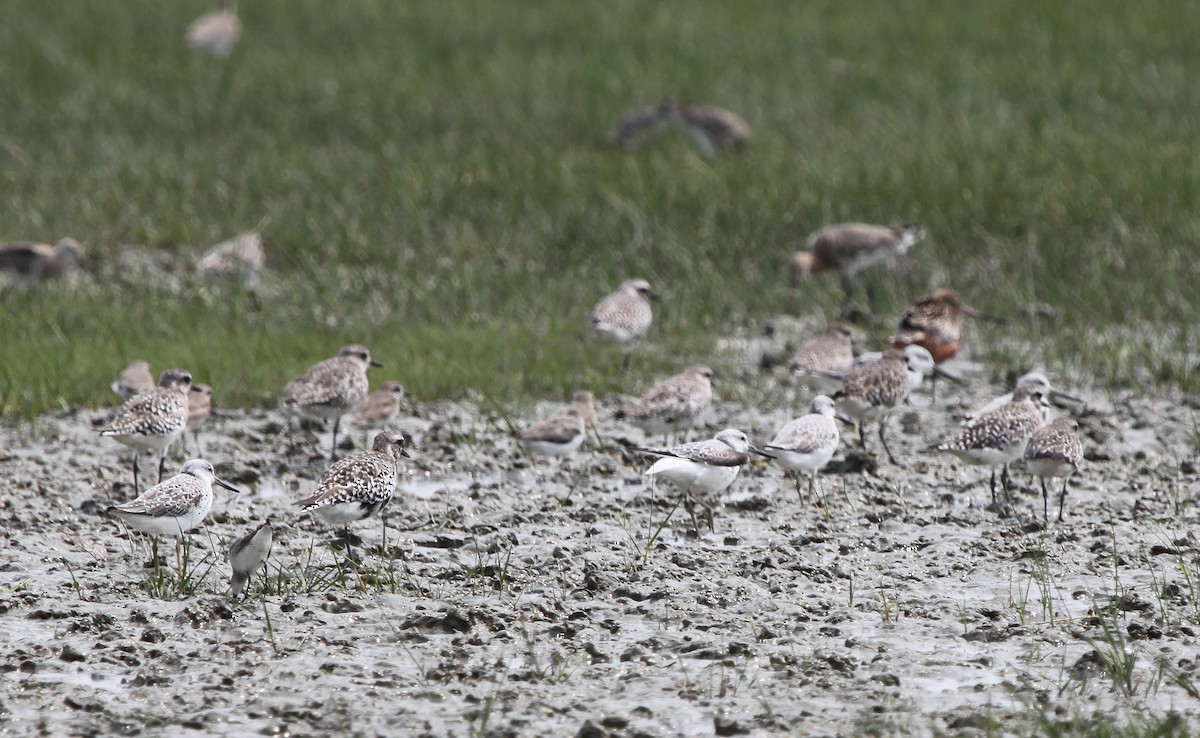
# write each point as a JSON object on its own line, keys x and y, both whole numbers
{"x": 699, "y": 479}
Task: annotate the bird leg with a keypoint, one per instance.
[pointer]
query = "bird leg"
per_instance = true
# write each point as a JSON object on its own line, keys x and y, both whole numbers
{"x": 626, "y": 361}
{"x": 162, "y": 465}
{"x": 862, "y": 435}
{"x": 883, "y": 440}
{"x": 1005, "y": 480}
{"x": 1045, "y": 502}
{"x": 136, "y": 489}
{"x": 1061, "y": 499}
{"x": 993, "y": 486}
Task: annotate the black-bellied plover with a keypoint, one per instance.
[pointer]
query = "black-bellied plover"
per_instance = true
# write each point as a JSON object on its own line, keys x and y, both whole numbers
{"x": 331, "y": 389}
{"x": 1054, "y": 451}
{"x": 873, "y": 389}
{"x": 247, "y": 554}
{"x": 135, "y": 380}
{"x": 808, "y": 442}
{"x": 849, "y": 248}
{"x": 150, "y": 422}
{"x": 624, "y": 316}
{"x": 674, "y": 404}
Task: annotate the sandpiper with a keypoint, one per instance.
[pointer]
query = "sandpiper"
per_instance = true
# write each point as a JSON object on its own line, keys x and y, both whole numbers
{"x": 563, "y": 433}
{"x": 828, "y": 354}
{"x": 37, "y": 261}
{"x": 135, "y": 380}
{"x": 1033, "y": 379}
{"x": 331, "y": 388}
{"x": 624, "y": 316}
{"x": 1054, "y": 451}
{"x": 173, "y": 507}
{"x": 702, "y": 469}
{"x": 675, "y": 403}
{"x": 150, "y": 422}
{"x": 849, "y": 248}
{"x": 358, "y": 486}
{"x": 217, "y": 31}
{"x": 247, "y": 554}
{"x": 807, "y": 443}
{"x": 380, "y": 407}
{"x": 873, "y": 389}
{"x": 1000, "y": 437}
{"x": 713, "y": 129}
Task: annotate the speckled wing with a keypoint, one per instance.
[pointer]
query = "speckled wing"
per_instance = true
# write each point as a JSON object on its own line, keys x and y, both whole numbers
{"x": 825, "y": 353}
{"x": 928, "y": 322}
{"x": 335, "y": 382}
{"x": 1055, "y": 442}
{"x": 678, "y": 397}
{"x": 999, "y": 429}
{"x": 806, "y": 434}
{"x": 173, "y": 498}
{"x": 622, "y": 313}
{"x": 882, "y": 383}
{"x": 366, "y": 477}
{"x": 162, "y": 411}
{"x": 711, "y": 452}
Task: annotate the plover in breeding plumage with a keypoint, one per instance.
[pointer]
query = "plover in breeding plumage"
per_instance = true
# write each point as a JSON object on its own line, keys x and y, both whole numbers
{"x": 634, "y": 125}
{"x": 199, "y": 410}
{"x": 849, "y": 248}
{"x": 241, "y": 257}
{"x": 37, "y": 261}
{"x": 807, "y": 443}
{"x": 827, "y": 355}
{"x": 380, "y": 407}
{"x": 331, "y": 389}
{"x": 624, "y": 316}
{"x": 135, "y": 380}
{"x": 702, "y": 469}
{"x": 1032, "y": 379}
{"x": 1000, "y": 437}
{"x": 151, "y": 422}
{"x": 217, "y": 31}
{"x": 713, "y": 129}
{"x": 247, "y": 554}
{"x": 563, "y": 433}
{"x": 873, "y": 389}
{"x": 173, "y": 507}
{"x": 358, "y": 486}
{"x": 1054, "y": 451}
{"x": 675, "y": 403}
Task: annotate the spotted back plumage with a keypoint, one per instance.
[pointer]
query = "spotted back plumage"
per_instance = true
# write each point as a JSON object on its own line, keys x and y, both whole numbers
{"x": 1007, "y": 427}
{"x": 727, "y": 448}
{"x": 678, "y": 399}
{"x": 934, "y": 322}
{"x": 625, "y": 315}
{"x": 882, "y": 383}
{"x": 189, "y": 490}
{"x": 1058, "y": 441}
{"x": 367, "y": 479}
{"x": 832, "y": 351}
{"x": 161, "y": 412}
{"x": 337, "y": 384}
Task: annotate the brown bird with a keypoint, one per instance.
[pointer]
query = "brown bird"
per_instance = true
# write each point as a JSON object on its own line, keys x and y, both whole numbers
{"x": 829, "y": 353}
{"x": 37, "y": 261}
{"x": 135, "y": 380}
{"x": 563, "y": 433}
{"x": 935, "y": 323}
{"x": 713, "y": 129}
{"x": 380, "y": 406}
{"x": 849, "y": 248}
{"x": 675, "y": 403}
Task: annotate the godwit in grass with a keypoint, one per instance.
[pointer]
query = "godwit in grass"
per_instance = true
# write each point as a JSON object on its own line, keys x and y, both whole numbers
{"x": 807, "y": 443}
{"x": 563, "y": 433}
{"x": 135, "y": 380}
{"x": 1000, "y": 437}
{"x": 873, "y": 389}
{"x": 675, "y": 403}
{"x": 850, "y": 248}
{"x": 331, "y": 388}
{"x": 173, "y": 507}
{"x": 1032, "y": 379}
{"x": 634, "y": 125}
{"x": 713, "y": 129}
{"x": 34, "y": 262}
{"x": 829, "y": 353}
{"x": 151, "y": 422}
{"x": 248, "y": 553}
{"x": 1054, "y": 451}
{"x": 702, "y": 469}
{"x": 358, "y": 486}
{"x": 217, "y": 31}
{"x": 624, "y": 316}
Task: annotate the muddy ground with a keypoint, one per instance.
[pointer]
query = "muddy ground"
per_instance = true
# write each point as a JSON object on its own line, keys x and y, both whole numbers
{"x": 519, "y": 597}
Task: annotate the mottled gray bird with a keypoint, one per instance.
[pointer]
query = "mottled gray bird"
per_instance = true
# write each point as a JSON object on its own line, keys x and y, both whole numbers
{"x": 247, "y": 554}
{"x": 150, "y": 422}
{"x": 873, "y": 389}
{"x": 673, "y": 404}
{"x": 331, "y": 388}
{"x": 136, "y": 379}
{"x": 1054, "y": 451}
{"x": 624, "y": 316}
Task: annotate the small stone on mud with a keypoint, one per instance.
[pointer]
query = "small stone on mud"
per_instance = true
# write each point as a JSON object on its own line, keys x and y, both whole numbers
{"x": 589, "y": 730}
{"x": 724, "y": 725}
{"x": 70, "y": 654}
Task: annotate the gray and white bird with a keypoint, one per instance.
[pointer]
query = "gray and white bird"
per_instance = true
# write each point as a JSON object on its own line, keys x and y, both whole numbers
{"x": 673, "y": 404}
{"x": 850, "y": 248}
{"x": 563, "y": 433}
{"x": 1054, "y": 451}
{"x": 380, "y": 407}
{"x": 175, "y": 506}
{"x": 152, "y": 421}
{"x": 999, "y": 437}
{"x": 807, "y": 443}
{"x": 702, "y": 469}
{"x": 624, "y": 316}
{"x": 713, "y": 129}
{"x": 331, "y": 388}
{"x": 136, "y": 379}
{"x": 34, "y": 262}
{"x": 1031, "y": 379}
{"x": 825, "y": 356}
{"x": 217, "y": 31}
{"x": 873, "y": 389}
{"x": 247, "y": 554}
{"x": 358, "y": 486}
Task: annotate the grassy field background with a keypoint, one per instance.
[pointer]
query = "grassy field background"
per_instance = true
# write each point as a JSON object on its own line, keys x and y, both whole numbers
{"x": 432, "y": 183}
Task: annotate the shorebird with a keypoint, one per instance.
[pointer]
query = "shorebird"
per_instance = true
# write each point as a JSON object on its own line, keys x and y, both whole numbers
{"x": 563, "y": 433}
{"x": 150, "y": 422}
{"x": 37, "y": 261}
{"x": 241, "y": 257}
{"x": 873, "y": 389}
{"x": 199, "y": 409}
{"x": 634, "y": 125}
{"x": 358, "y": 486}
{"x": 1000, "y": 437}
{"x": 173, "y": 507}
{"x": 807, "y": 443}
{"x": 135, "y": 380}
{"x": 702, "y": 469}
{"x": 935, "y": 322}
{"x": 247, "y": 554}
{"x": 1032, "y": 379}
{"x": 674, "y": 403}
{"x": 380, "y": 407}
{"x": 849, "y": 248}
{"x": 1054, "y": 451}
{"x": 830, "y": 353}
{"x": 713, "y": 129}
{"x": 331, "y": 388}
{"x": 217, "y": 31}
{"x": 624, "y": 316}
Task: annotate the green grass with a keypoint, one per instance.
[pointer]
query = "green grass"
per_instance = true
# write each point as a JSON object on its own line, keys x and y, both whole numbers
{"x": 432, "y": 183}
